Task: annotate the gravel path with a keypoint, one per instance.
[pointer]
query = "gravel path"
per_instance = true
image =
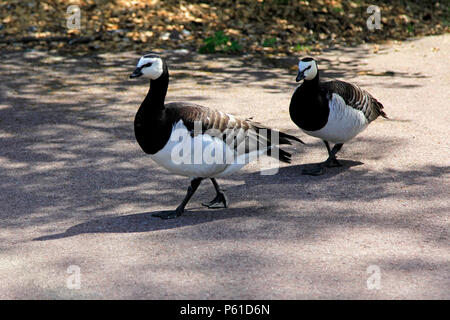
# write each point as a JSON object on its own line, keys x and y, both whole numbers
{"x": 77, "y": 193}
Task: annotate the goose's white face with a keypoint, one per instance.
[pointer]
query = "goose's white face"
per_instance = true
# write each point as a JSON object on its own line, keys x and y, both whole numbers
{"x": 307, "y": 70}
{"x": 149, "y": 66}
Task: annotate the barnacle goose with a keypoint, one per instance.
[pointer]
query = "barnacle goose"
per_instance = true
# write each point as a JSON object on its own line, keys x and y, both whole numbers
{"x": 334, "y": 111}
{"x": 159, "y": 127}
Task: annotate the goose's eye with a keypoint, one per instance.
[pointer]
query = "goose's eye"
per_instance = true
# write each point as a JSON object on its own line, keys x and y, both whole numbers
{"x": 147, "y": 65}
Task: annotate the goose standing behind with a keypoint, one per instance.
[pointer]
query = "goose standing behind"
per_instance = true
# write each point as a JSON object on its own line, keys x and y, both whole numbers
{"x": 334, "y": 111}
{"x": 159, "y": 126}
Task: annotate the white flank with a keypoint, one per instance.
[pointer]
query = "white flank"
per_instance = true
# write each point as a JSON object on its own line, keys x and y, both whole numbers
{"x": 200, "y": 156}
{"x": 344, "y": 122}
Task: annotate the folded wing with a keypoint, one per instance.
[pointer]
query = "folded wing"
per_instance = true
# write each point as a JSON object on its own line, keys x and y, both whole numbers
{"x": 245, "y": 137}
{"x": 356, "y": 98}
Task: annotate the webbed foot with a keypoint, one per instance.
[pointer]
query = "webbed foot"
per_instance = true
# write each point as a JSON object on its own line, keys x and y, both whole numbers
{"x": 332, "y": 163}
{"x": 220, "y": 201}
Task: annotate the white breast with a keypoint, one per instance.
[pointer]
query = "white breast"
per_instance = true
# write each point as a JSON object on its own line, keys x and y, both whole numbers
{"x": 200, "y": 156}
{"x": 344, "y": 122}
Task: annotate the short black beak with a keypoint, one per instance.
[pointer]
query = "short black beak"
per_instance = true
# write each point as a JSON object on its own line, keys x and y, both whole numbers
{"x": 300, "y": 76}
{"x": 136, "y": 73}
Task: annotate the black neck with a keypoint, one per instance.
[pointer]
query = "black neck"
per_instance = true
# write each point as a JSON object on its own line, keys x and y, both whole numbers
{"x": 157, "y": 92}
{"x": 313, "y": 83}
{"x": 309, "y": 107}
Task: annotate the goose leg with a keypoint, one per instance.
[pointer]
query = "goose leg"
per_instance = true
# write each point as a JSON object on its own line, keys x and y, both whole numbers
{"x": 332, "y": 161}
{"x": 329, "y": 163}
{"x": 220, "y": 201}
{"x": 180, "y": 209}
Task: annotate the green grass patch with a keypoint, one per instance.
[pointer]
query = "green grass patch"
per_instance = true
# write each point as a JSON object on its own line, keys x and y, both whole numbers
{"x": 220, "y": 42}
{"x": 269, "y": 42}
{"x": 302, "y": 48}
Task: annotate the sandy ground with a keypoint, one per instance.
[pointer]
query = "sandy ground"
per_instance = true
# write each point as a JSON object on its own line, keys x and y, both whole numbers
{"x": 77, "y": 193}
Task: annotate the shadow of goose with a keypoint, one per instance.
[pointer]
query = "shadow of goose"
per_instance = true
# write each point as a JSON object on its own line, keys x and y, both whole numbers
{"x": 145, "y": 222}
{"x": 293, "y": 174}
{"x": 346, "y": 165}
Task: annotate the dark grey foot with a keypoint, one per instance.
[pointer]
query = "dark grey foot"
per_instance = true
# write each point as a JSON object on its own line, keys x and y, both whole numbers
{"x": 220, "y": 201}
{"x": 320, "y": 168}
{"x": 171, "y": 214}
{"x": 315, "y": 171}
{"x": 180, "y": 209}
{"x": 332, "y": 163}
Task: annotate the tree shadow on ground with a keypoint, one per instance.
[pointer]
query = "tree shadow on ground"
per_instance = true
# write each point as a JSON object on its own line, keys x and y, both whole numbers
{"x": 68, "y": 149}
{"x": 70, "y": 169}
{"x": 302, "y": 223}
